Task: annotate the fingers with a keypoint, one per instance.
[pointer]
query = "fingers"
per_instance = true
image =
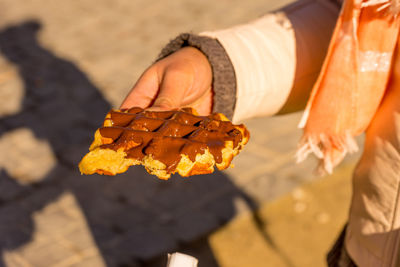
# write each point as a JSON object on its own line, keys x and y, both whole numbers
{"x": 203, "y": 105}
{"x": 143, "y": 92}
{"x": 174, "y": 85}
{"x": 181, "y": 79}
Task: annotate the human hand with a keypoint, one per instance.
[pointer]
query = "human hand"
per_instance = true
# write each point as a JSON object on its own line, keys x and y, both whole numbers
{"x": 183, "y": 79}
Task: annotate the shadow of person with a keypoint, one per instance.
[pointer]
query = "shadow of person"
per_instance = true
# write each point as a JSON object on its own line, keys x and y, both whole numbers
{"x": 60, "y": 106}
{"x": 132, "y": 217}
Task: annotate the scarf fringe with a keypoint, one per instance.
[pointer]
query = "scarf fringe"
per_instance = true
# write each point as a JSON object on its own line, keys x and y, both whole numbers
{"x": 329, "y": 149}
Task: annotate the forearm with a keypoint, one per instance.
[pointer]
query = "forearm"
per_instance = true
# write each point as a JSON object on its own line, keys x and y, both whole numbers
{"x": 278, "y": 57}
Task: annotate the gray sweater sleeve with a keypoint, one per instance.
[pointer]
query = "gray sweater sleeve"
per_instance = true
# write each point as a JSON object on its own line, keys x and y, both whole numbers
{"x": 224, "y": 80}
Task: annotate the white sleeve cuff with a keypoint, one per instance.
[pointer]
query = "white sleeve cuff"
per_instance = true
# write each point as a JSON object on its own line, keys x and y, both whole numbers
{"x": 263, "y": 56}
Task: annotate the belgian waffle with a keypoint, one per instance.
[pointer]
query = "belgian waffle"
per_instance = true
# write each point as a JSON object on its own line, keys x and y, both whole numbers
{"x": 164, "y": 142}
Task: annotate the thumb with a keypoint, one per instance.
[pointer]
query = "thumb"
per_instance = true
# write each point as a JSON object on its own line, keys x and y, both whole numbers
{"x": 143, "y": 92}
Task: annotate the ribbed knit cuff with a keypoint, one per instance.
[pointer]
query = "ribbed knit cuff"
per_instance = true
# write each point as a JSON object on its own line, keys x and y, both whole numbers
{"x": 224, "y": 80}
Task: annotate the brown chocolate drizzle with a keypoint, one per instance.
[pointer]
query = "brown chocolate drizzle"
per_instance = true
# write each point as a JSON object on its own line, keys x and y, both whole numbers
{"x": 175, "y": 129}
{"x": 166, "y": 135}
{"x": 215, "y": 141}
{"x": 111, "y": 132}
{"x": 121, "y": 118}
{"x": 146, "y": 124}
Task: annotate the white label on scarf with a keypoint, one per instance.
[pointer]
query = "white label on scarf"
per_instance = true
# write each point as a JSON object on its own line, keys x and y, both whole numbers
{"x": 375, "y": 61}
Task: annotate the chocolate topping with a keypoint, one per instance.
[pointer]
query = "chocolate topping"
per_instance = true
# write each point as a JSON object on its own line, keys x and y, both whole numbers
{"x": 187, "y": 118}
{"x": 111, "y": 132}
{"x": 166, "y": 135}
{"x": 175, "y": 129}
{"x": 120, "y": 118}
{"x": 146, "y": 124}
{"x": 215, "y": 141}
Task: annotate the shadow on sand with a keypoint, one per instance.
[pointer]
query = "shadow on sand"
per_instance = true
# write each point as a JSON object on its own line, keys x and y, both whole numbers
{"x": 134, "y": 217}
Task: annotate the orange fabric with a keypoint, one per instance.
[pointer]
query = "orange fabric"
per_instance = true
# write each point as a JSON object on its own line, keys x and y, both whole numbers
{"x": 352, "y": 81}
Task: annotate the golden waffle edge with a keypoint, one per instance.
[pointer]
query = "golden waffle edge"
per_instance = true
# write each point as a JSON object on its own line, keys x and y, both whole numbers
{"x": 164, "y": 142}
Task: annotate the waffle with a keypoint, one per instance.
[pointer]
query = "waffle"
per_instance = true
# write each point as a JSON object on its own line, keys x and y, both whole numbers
{"x": 164, "y": 142}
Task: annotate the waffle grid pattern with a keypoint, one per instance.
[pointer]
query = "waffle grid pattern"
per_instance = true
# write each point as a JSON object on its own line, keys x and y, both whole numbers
{"x": 167, "y": 136}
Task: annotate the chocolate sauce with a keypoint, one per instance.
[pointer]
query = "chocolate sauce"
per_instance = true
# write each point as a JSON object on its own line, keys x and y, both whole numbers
{"x": 121, "y": 118}
{"x": 166, "y": 135}
{"x": 187, "y": 118}
{"x": 215, "y": 141}
{"x": 111, "y": 132}
{"x": 175, "y": 129}
{"x": 167, "y": 150}
{"x": 146, "y": 124}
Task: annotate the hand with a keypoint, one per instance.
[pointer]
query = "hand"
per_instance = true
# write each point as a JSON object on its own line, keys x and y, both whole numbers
{"x": 183, "y": 79}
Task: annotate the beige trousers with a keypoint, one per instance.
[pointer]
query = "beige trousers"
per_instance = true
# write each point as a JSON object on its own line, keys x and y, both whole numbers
{"x": 373, "y": 234}
{"x": 276, "y": 60}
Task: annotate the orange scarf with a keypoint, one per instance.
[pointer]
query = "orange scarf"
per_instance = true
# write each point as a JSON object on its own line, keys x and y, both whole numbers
{"x": 352, "y": 81}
